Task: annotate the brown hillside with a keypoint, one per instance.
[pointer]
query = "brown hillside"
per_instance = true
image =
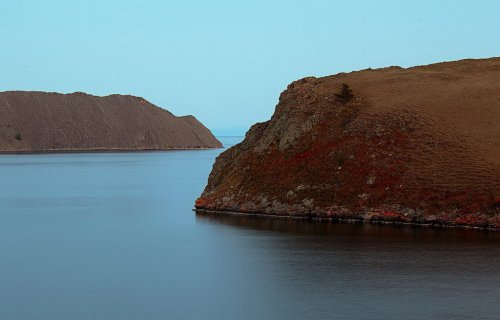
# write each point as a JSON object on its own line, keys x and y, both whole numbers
{"x": 415, "y": 145}
{"x": 40, "y": 121}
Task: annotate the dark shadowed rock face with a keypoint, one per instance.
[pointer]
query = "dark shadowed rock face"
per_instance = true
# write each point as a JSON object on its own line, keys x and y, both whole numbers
{"x": 417, "y": 145}
{"x": 39, "y": 121}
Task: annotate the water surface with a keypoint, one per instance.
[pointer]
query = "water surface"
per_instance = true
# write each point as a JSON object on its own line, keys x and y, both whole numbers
{"x": 112, "y": 236}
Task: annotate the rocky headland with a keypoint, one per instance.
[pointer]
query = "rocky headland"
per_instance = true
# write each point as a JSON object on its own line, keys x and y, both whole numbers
{"x": 53, "y": 122}
{"x": 417, "y": 145}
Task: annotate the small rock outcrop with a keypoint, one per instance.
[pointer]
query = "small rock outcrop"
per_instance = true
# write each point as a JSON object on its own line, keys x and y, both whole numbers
{"x": 416, "y": 145}
{"x": 43, "y": 122}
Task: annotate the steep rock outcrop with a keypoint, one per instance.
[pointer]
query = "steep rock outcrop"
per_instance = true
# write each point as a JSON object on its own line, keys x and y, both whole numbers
{"x": 419, "y": 145}
{"x": 40, "y": 121}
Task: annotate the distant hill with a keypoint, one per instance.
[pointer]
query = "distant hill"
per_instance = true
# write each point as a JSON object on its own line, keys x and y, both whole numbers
{"x": 419, "y": 145}
{"x": 41, "y": 121}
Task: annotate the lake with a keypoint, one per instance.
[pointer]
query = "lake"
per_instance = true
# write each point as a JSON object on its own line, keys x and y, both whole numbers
{"x": 113, "y": 236}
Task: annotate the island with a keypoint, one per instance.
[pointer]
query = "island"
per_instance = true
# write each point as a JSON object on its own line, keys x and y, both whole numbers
{"x": 417, "y": 145}
{"x": 54, "y": 122}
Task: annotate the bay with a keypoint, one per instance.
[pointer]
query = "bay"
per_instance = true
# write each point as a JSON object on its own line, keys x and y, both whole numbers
{"x": 113, "y": 236}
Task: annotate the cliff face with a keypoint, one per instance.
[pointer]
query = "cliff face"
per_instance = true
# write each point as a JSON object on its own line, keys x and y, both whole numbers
{"x": 39, "y": 121}
{"x": 415, "y": 145}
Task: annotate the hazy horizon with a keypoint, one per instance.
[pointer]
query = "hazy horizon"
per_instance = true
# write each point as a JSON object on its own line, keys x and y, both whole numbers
{"x": 226, "y": 63}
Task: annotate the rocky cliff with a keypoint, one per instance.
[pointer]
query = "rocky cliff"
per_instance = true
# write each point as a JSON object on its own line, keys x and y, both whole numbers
{"x": 417, "y": 145}
{"x": 40, "y": 121}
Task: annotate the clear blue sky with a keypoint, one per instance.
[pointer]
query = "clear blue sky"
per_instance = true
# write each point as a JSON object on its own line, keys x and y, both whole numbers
{"x": 227, "y": 61}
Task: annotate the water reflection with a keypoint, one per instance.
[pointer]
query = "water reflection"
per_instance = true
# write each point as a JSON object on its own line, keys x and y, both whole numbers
{"x": 370, "y": 271}
{"x": 376, "y": 232}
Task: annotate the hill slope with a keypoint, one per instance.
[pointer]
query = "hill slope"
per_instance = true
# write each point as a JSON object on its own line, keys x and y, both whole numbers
{"x": 40, "y": 121}
{"x": 415, "y": 145}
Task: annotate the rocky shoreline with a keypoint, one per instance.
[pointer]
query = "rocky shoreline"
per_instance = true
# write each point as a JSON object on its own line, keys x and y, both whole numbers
{"x": 359, "y": 219}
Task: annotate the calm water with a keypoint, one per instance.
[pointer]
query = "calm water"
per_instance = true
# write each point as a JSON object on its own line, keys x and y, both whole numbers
{"x": 112, "y": 236}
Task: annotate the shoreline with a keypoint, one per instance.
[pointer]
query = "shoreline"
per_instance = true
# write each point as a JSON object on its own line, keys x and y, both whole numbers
{"x": 100, "y": 150}
{"x": 434, "y": 225}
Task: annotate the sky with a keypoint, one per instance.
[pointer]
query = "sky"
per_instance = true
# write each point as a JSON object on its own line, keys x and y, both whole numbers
{"x": 226, "y": 62}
